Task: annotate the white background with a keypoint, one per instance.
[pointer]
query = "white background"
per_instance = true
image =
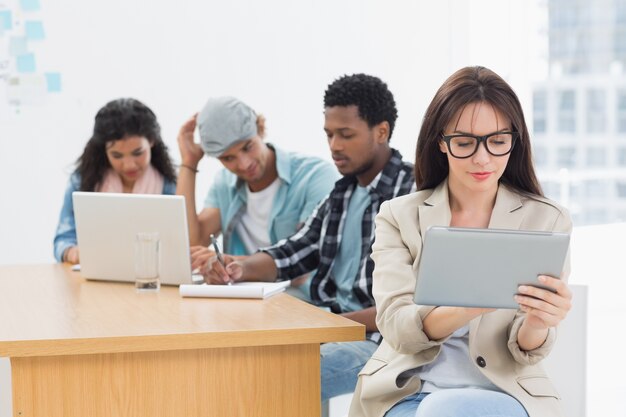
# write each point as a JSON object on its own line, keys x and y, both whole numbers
{"x": 278, "y": 56}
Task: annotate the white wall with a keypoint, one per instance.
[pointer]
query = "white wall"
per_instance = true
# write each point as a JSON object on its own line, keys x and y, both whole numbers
{"x": 277, "y": 55}
{"x": 598, "y": 261}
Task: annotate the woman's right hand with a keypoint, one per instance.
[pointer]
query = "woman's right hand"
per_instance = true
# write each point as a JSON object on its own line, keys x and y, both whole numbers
{"x": 71, "y": 255}
{"x": 190, "y": 152}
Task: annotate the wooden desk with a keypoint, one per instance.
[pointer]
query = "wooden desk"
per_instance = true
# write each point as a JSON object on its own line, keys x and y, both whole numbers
{"x": 81, "y": 348}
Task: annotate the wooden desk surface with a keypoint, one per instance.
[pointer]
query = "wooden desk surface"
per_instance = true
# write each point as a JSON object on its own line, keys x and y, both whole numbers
{"x": 49, "y": 310}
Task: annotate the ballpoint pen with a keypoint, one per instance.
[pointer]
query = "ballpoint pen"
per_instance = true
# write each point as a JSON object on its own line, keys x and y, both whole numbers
{"x": 219, "y": 255}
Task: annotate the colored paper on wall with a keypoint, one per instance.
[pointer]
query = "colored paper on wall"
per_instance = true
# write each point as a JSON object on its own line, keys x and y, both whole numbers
{"x": 30, "y": 5}
{"x": 53, "y": 82}
{"x": 6, "y": 20}
{"x": 34, "y": 30}
{"x": 25, "y": 63}
{"x": 26, "y": 89}
{"x": 17, "y": 46}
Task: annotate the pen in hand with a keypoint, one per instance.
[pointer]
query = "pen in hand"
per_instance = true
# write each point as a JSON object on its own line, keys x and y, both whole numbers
{"x": 219, "y": 255}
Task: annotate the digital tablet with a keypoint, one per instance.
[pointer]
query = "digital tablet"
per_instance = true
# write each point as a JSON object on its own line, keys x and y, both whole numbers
{"x": 470, "y": 267}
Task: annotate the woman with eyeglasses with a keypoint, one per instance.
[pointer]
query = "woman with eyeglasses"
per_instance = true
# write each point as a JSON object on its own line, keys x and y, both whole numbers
{"x": 473, "y": 168}
{"x": 125, "y": 154}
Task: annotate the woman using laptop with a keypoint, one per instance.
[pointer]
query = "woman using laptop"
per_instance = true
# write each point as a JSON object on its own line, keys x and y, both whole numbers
{"x": 473, "y": 168}
{"x": 125, "y": 154}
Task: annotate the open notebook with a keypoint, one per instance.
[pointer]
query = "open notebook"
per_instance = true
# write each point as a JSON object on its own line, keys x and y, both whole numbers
{"x": 237, "y": 290}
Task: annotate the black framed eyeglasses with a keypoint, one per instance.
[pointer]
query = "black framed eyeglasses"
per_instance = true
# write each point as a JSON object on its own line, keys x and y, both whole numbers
{"x": 497, "y": 144}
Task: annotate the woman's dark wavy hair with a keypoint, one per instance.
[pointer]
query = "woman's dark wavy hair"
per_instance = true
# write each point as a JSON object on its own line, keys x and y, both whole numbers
{"x": 120, "y": 119}
{"x": 473, "y": 85}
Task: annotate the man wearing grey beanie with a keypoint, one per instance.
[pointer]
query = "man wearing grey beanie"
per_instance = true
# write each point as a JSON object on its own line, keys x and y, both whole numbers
{"x": 262, "y": 195}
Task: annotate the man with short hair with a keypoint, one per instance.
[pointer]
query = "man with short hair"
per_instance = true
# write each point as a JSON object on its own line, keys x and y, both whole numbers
{"x": 262, "y": 195}
{"x": 360, "y": 114}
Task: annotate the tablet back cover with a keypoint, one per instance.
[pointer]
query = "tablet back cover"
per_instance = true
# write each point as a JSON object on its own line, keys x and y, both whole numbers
{"x": 483, "y": 267}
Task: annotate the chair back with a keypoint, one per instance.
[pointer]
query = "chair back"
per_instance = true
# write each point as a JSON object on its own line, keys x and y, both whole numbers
{"x": 567, "y": 363}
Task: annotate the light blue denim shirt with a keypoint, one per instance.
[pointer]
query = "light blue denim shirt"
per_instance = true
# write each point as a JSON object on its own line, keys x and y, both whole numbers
{"x": 65, "y": 236}
{"x": 305, "y": 181}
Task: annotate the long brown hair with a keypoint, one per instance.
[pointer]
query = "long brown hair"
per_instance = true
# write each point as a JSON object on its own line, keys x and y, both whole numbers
{"x": 117, "y": 120}
{"x": 473, "y": 85}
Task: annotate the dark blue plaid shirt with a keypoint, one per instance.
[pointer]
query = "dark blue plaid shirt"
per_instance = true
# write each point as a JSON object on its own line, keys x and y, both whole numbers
{"x": 317, "y": 243}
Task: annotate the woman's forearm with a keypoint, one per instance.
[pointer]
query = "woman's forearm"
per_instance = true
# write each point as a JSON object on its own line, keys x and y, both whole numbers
{"x": 529, "y": 338}
{"x": 443, "y": 321}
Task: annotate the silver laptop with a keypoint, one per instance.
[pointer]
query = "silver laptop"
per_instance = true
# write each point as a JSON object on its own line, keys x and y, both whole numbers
{"x": 106, "y": 226}
{"x": 483, "y": 267}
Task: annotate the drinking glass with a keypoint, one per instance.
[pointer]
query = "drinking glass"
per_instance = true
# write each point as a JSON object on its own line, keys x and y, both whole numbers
{"x": 147, "y": 257}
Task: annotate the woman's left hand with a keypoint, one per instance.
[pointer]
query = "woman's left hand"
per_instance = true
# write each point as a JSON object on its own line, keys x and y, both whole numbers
{"x": 543, "y": 308}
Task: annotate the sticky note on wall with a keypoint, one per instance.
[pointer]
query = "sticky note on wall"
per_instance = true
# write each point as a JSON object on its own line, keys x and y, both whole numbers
{"x": 26, "y": 89}
{"x": 30, "y": 5}
{"x": 53, "y": 82}
{"x": 6, "y": 20}
{"x": 17, "y": 46}
{"x": 34, "y": 30}
{"x": 25, "y": 63}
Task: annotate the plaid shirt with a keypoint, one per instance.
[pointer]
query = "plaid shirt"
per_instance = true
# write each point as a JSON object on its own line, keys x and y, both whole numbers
{"x": 317, "y": 243}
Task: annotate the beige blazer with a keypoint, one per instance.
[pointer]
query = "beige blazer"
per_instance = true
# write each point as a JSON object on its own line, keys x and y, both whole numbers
{"x": 391, "y": 374}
